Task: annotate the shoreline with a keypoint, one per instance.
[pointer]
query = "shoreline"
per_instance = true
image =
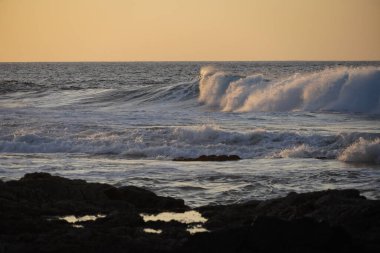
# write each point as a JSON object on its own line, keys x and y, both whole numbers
{"x": 34, "y": 211}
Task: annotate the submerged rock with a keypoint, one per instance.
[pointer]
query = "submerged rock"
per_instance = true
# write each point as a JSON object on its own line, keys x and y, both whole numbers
{"x": 209, "y": 158}
{"x": 31, "y": 211}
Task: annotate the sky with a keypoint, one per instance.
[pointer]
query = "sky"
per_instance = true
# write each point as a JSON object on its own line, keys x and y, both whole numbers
{"x": 189, "y": 30}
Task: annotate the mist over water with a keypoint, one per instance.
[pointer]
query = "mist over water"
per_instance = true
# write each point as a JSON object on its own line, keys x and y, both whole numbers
{"x": 123, "y": 123}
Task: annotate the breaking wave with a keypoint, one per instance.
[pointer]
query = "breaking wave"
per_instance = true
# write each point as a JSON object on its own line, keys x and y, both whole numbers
{"x": 362, "y": 151}
{"x": 171, "y": 142}
{"x": 343, "y": 89}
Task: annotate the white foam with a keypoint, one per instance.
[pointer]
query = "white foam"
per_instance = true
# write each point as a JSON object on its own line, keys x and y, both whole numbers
{"x": 213, "y": 86}
{"x": 342, "y": 89}
{"x": 183, "y": 141}
{"x": 301, "y": 151}
{"x": 363, "y": 151}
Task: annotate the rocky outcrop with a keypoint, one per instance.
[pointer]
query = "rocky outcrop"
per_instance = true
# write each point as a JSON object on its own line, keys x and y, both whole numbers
{"x": 325, "y": 221}
{"x": 52, "y": 194}
{"x": 343, "y": 218}
{"x": 30, "y": 206}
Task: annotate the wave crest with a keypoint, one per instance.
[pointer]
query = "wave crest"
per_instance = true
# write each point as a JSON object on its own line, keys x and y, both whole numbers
{"x": 362, "y": 151}
{"x": 301, "y": 151}
{"x": 343, "y": 89}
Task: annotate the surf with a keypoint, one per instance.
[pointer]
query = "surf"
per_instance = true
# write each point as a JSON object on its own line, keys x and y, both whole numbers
{"x": 341, "y": 89}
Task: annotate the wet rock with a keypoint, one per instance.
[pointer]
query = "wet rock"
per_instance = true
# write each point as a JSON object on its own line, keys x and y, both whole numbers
{"x": 209, "y": 158}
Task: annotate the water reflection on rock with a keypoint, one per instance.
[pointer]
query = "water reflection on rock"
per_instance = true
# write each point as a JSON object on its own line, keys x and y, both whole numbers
{"x": 75, "y": 219}
{"x": 193, "y": 219}
{"x": 152, "y": 231}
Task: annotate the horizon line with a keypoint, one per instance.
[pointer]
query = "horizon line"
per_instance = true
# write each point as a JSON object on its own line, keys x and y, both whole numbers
{"x": 168, "y": 61}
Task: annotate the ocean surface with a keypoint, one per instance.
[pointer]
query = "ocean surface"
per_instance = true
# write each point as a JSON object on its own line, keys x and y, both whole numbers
{"x": 298, "y": 126}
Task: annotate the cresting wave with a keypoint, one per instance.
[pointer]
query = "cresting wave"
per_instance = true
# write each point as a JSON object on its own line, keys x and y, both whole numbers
{"x": 362, "y": 151}
{"x": 171, "y": 142}
{"x": 343, "y": 89}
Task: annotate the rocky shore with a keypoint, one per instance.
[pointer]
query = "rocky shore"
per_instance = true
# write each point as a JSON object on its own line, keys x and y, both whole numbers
{"x": 45, "y": 213}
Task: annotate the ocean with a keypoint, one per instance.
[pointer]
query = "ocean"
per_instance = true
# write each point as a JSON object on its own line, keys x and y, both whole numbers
{"x": 298, "y": 126}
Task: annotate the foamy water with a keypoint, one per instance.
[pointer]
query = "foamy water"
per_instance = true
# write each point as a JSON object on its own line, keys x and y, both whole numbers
{"x": 338, "y": 89}
{"x": 298, "y": 126}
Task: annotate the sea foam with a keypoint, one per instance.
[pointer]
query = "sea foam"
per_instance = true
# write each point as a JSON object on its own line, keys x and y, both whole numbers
{"x": 362, "y": 151}
{"x": 193, "y": 141}
{"x": 342, "y": 89}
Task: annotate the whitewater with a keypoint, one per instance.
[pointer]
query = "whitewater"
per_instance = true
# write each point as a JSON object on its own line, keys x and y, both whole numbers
{"x": 298, "y": 126}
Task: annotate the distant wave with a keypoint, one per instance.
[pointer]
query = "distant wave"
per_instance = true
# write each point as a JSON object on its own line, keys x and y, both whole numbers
{"x": 171, "y": 142}
{"x": 152, "y": 93}
{"x": 9, "y": 86}
{"x": 30, "y": 94}
{"x": 342, "y": 89}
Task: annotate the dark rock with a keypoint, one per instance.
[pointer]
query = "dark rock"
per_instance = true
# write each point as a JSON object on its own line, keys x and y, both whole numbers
{"x": 29, "y": 207}
{"x": 58, "y": 194}
{"x": 271, "y": 234}
{"x": 346, "y": 209}
{"x": 324, "y": 221}
{"x": 144, "y": 199}
{"x": 209, "y": 158}
{"x": 322, "y": 157}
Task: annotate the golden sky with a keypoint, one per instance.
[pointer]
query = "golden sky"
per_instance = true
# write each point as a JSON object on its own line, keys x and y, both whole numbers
{"x": 189, "y": 30}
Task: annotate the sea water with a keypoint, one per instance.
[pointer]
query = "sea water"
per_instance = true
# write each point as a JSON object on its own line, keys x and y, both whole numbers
{"x": 298, "y": 126}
